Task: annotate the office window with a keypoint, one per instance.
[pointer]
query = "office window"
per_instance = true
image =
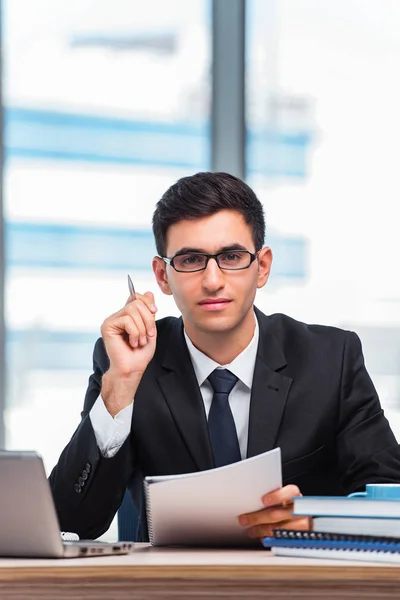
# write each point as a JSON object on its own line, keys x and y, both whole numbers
{"x": 106, "y": 104}
{"x": 322, "y": 151}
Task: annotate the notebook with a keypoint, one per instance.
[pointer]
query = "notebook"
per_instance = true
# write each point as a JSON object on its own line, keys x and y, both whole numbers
{"x": 202, "y": 508}
{"x": 316, "y": 544}
{"x": 28, "y": 519}
{"x": 342, "y": 506}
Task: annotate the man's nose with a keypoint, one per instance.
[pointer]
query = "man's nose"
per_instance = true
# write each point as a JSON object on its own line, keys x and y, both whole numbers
{"x": 213, "y": 277}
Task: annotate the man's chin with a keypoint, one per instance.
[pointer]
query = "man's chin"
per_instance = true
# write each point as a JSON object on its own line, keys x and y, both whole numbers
{"x": 216, "y": 323}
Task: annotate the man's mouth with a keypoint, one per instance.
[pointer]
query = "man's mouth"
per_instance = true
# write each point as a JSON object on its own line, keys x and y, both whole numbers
{"x": 214, "y": 303}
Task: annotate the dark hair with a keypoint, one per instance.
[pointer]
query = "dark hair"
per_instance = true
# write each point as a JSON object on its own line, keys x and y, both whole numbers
{"x": 205, "y": 194}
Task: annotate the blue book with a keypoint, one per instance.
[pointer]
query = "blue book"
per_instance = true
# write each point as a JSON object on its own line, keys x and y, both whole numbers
{"x": 358, "y": 526}
{"x": 378, "y": 501}
{"x": 314, "y": 544}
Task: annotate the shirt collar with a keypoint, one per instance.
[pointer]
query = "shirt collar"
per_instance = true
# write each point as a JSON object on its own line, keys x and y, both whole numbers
{"x": 242, "y": 366}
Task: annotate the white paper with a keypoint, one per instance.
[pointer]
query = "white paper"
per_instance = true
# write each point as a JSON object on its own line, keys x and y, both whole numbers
{"x": 203, "y": 508}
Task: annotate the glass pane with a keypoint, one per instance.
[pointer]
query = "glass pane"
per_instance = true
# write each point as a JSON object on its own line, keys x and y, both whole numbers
{"x": 106, "y": 105}
{"x": 322, "y": 150}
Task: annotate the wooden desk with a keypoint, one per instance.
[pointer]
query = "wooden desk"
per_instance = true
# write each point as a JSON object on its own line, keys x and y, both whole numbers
{"x": 191, "y": 573}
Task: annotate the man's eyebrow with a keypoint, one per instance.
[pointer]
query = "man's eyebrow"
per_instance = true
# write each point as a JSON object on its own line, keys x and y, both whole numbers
{"x": 188, "y": 250}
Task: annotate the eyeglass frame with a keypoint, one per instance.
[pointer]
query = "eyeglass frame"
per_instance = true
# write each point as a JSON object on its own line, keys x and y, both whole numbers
{"x": 170, "y": 261}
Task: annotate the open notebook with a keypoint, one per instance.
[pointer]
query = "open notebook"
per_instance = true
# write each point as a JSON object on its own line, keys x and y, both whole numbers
{"x": 203, "y": 508}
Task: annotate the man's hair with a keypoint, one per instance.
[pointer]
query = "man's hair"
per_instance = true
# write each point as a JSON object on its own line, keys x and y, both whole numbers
{"x": 202, "y": 195}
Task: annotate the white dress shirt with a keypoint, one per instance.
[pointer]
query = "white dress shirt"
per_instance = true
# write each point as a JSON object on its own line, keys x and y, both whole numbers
{"x": 111, "y": 432}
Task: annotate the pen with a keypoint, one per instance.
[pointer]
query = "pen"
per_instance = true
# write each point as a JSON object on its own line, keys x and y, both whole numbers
{"x": 131, "y": 289}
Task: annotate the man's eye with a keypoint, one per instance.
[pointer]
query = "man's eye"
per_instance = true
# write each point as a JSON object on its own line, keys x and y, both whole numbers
{"x": 191, "y": 259}
{"x": 231, "y": 257}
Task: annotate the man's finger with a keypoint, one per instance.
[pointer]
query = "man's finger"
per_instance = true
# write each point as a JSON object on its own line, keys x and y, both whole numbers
{"x": 147, "y": 298}
{"x": 137, "y": 319}
{"x": 282, "y": 496}
{"x": 124, "y": 324}
{"x": 267, "y": 529}
{"x": 266, "y": 515}
{"x": 143, "y": 318}
{"x": 260, "y": 531}
{"x": 148, "y": 319}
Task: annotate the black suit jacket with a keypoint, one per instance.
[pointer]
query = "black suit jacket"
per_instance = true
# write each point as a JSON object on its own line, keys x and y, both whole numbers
{"x": 311, "y": 395}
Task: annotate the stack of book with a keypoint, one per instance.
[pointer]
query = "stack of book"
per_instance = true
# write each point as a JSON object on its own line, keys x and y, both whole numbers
{"x": 362, "y": 526}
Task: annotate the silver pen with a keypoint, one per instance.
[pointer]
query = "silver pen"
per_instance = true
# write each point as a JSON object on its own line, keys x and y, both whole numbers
{"x": 131, "y": 289}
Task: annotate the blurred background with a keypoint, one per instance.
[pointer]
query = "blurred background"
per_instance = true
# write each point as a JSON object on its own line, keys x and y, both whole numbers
{"x": 107, "y": 103}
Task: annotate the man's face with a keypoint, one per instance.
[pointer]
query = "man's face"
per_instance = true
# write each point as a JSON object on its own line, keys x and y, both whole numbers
{"x": 213, "y": 300}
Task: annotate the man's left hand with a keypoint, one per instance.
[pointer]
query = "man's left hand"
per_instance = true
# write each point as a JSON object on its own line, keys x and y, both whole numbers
{"x": 277, "y": 514}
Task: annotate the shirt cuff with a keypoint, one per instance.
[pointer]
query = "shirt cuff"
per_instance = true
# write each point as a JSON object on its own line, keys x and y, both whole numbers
{"x": 110, "y": 432}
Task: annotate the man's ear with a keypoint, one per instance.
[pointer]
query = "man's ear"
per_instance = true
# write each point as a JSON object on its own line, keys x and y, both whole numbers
{"x": 264, "y": 266}
{"x": 159, "y": 269}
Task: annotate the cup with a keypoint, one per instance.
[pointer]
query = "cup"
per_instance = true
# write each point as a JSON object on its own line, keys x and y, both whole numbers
{"x": 379, "y": 491}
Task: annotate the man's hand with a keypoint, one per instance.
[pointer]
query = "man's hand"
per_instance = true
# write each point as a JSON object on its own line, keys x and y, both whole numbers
{"x": 277, "y": 514}
{"x": 130, "y": 339}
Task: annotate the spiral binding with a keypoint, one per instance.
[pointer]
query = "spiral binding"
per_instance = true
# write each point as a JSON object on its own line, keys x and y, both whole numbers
{"x": 148, "y": 511}
{"x": 334, "y": 541}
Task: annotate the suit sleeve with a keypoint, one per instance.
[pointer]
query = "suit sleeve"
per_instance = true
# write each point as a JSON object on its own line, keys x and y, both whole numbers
{"x": 88, "y": 488}
{"x": 367, "y": 450}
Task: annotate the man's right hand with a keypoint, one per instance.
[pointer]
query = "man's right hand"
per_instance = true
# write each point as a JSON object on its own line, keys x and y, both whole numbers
{"x": 129, "y": 336}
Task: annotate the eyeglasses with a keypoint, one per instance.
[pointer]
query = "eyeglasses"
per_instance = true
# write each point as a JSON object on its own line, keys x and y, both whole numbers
{"x": 233, "y": 260}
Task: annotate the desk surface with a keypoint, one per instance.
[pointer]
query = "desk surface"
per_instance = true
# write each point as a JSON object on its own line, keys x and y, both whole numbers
{"x": 195, "y": 573}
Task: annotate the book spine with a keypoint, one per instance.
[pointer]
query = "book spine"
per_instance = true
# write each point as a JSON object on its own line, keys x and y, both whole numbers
{"x": 147, "y": 496}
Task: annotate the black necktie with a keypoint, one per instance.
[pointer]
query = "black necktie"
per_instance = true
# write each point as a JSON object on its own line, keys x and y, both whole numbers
{"x": 221, "y": 426}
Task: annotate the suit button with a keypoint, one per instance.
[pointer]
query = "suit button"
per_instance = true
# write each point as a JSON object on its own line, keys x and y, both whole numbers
{"x": 88, "y": 467}
{"x": 77, "y": 488}
{"x": 81, "y": 481}
{"x": 84, "y": 474}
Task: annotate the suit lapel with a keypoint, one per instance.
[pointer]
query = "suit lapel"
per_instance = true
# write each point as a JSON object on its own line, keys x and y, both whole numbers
{"x": 181, "y": 391}
{"x": 269, "y": 391}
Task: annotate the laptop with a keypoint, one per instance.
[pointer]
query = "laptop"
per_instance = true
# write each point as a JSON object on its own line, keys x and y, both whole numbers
{"x": 28, "y": 520}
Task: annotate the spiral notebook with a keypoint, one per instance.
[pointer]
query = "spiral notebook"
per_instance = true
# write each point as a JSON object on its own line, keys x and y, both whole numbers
{"x": 202, "y": 508}
{"x": 316, "y": 544}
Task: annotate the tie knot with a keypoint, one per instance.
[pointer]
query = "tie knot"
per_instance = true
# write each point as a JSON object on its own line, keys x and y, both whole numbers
{"x": 222, "y": 381}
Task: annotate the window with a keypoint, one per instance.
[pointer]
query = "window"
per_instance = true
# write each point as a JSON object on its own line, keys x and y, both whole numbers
{"x": 105, "y": 105}
{"x": 322, "y": 148}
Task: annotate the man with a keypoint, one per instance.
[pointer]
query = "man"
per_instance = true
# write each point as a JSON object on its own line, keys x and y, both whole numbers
{"x": 154, "y": 405}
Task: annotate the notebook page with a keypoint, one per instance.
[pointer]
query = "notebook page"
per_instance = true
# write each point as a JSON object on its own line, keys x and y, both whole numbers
{"x": 203, "y": 508}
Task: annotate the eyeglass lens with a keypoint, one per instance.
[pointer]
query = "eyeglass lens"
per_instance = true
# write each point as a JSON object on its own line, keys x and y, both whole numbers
{"x": 226, "y": 260}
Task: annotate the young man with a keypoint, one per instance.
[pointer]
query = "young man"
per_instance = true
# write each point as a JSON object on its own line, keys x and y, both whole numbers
{"x": 154, "y": 405}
